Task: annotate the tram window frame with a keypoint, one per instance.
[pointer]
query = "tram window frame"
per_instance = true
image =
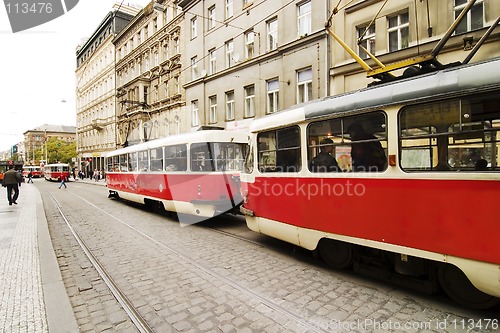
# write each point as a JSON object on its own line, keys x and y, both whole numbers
{"x": 451, "y": 135}
{"x": 132, "y": 162}
{"x": 176, "y": 157}
{"x": 143, "y": 160}
{"x": 280, "y": 150}
{"x": 201, "y": 156}
{"x": 124, "y": 167}
{"x": 374, "y": 136}
{"x": 229, "y": 156}
{"x": 156, "y": 159}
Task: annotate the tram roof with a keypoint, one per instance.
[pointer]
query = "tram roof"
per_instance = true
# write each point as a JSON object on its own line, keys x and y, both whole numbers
{"x": 446, "y": 82}
{"x": 187, "y": 138}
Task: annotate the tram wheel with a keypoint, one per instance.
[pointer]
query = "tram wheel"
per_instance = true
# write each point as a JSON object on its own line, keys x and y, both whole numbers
{"x": 336, "y": 254}
{"x": 458, "y": 287}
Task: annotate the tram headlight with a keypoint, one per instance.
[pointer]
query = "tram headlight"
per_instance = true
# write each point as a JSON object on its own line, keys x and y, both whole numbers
{"x": 199, "y": 190}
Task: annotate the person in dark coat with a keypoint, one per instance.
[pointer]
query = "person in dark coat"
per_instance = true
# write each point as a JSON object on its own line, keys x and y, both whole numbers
{"x": 324, "y": 161}
{"x": 11, "y": 180}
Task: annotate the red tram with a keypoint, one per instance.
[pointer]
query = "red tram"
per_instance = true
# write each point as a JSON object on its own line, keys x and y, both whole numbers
{"x": 54, "y": 172}
{"x": 195, "y": 173}
{"x": 36, "y": 171}
{"x": 423, "y": 214}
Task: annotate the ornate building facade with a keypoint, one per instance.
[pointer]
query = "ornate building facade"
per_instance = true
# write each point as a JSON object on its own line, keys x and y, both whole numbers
{"x": 183, "y": 64}
{"x": 95, "y": 90}
{"x": 150, "y": 99}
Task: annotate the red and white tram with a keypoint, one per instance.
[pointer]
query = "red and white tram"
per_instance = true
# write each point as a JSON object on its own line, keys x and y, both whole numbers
{"x": 426, "y": 214}
{"x": 194, "y": 173}
{"x": 36, "y": 171}
{"x": 56, "y": 171}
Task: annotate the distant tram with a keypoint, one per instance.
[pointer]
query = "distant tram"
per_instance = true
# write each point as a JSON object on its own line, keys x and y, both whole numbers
{"x": 54, "y": 172}
{"x": 194, "y": 173}
{"x": 425, "y": 212}
{"x": 36, "y": 171}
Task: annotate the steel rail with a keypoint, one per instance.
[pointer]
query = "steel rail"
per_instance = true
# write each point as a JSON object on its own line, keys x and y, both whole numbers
{"x": 134, "y": 315}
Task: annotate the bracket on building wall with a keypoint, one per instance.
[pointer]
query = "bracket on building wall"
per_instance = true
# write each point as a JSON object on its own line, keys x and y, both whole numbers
{"x": 132, "y": 102}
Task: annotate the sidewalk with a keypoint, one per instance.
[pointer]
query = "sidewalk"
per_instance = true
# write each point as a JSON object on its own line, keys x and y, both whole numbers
{"x": 32, "y": 294}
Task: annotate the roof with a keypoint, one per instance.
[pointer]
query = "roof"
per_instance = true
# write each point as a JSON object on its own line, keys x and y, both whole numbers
{"x": 53, "y": 128}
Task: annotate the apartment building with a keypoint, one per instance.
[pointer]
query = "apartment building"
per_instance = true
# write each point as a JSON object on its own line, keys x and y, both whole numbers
{"x": 247, "y": 59}
{"x": 397, "y": 30}
{"x": 184, "y": 64}
{"x": 149, "y": 96}
{"x": 95, "y": 89}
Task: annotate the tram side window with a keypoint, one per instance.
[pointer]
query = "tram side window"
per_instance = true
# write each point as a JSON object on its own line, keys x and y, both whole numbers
{"x": 156, "y": 163}
{"x": 143, "y": 160}
{"x": 132, "y": 162}
{"x": 279, "y": 150}
{"x": 176, "y": 158}
{"x": 228, "y": 156}
{"x": 123, "y": 163}
{"x": 359, "y": 142}
{"x": 202, "y": 157}
{"x": 451, "y": 135}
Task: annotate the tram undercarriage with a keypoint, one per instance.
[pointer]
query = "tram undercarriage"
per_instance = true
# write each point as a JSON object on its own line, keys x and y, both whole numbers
{"x": 415, "y": 273}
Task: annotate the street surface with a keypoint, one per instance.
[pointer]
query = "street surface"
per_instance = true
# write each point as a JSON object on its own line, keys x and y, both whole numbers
{"x": 218, "y": 276}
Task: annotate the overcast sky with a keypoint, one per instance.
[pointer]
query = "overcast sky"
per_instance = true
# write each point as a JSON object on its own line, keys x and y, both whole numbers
{"x": 37, "y": 76}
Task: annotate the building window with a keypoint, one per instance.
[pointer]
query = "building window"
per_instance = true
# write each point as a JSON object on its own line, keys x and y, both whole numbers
{"x": 194, "y": 27}
{"x": 176, "y": 46}
{"x": 212, "y": 116}
{"x": 156, "y": 58}
{"x": 250, "y": 101}
{"x": 165, "y": 51}
{"x": 194, "y": 68}
{"x": 230, "y": 105}
{"x": 249, "y": 44}
{"x": 304, "y": 18}
{"x": 366, "y": 41}
{"x": 398, "y": 31}
{"x": 213, "y": 61}
{"x": 195, "y": 118}
{"x": 177, "y": 85}
{"x": 211, "y": 17}
{"x": 474, "y": 19}
{"x": 304, "y": 85}
{"x": 273, "y": 89}
{"x": 229, "y": 53}
{"x": 272, "y": 34}
{"x": 229, "y": 9}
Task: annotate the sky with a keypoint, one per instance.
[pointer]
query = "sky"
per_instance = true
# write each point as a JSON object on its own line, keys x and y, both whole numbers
{"x": 37, "y": 69}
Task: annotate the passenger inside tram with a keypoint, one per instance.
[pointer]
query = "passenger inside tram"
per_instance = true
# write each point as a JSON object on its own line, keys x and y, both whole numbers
{"x": 367, "y": 155}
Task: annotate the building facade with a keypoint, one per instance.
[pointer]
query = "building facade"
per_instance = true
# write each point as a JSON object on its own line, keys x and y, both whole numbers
{"x": 184, "y": 64}
{"x": 150, "y": 99}
{"x": 95, "y": 90}
{"x": 399, "y": 30}
{"x": 251, "y": 58}
{"x": 33, "y": 150}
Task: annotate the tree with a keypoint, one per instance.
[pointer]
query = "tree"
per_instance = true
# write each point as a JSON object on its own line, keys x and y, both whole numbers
{"x": 60, "y": 151}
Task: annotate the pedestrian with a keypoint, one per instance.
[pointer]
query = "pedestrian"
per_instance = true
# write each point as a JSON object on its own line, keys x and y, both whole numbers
{"x": 30, "y": 177}
{"x": 63, "y": 181}
{"x": 11, "y": 180}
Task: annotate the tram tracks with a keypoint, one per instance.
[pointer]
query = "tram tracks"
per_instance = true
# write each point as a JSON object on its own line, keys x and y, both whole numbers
{"x": 138, "y": 320}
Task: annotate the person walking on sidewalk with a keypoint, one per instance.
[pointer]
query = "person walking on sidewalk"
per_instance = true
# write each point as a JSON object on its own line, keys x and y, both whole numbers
{"x": 30, "y": 178}
{"x": 63, "y": 181}
{"x": 11, "y": 180}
